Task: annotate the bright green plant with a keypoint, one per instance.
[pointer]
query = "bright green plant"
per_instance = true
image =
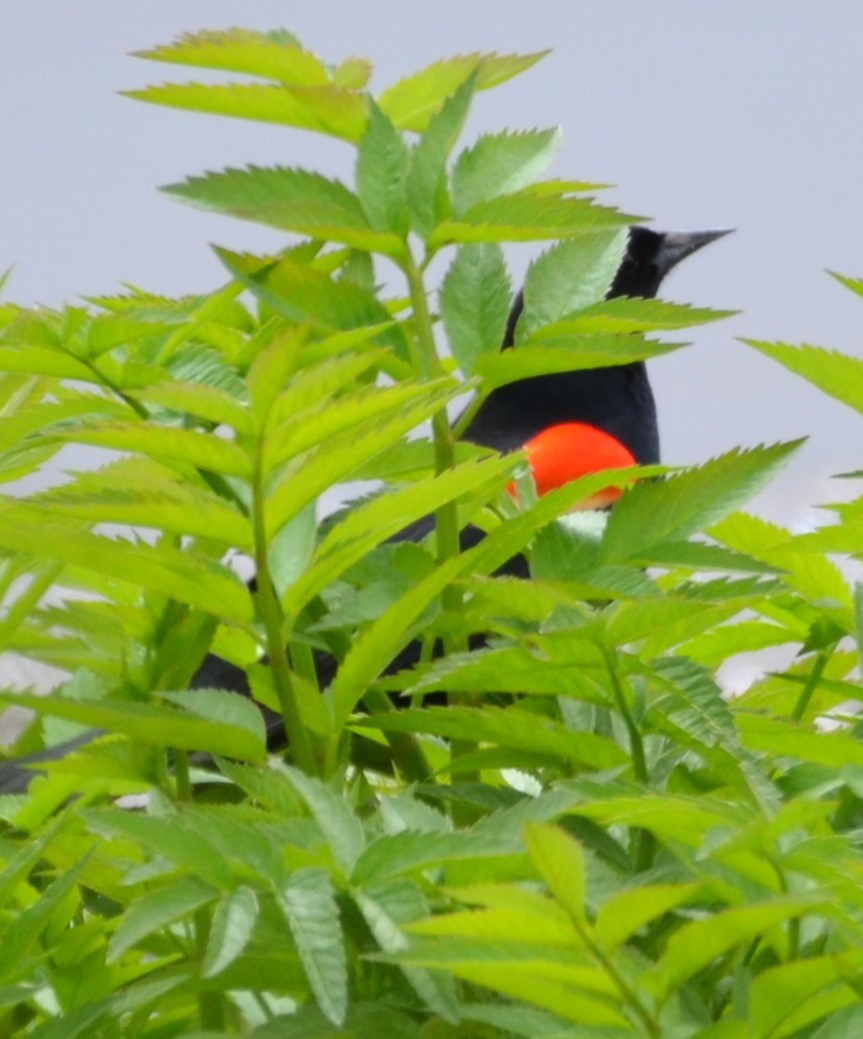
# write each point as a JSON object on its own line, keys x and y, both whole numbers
{"x": 589, "y": 840}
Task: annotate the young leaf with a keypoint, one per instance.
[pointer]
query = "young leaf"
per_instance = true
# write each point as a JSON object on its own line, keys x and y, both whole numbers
{"x": 414, "y": 100}
{"x": 155, "y": 911}
{"x": 427, "y": 195}
{"x": 526, "y": 216}
{"x": 274, "y": 55}
{"x": 837, "y": 374}
{"x": 560, "y": 861}
{"x": 499, "y": 164}
{"x": 382, "y": 166}
{"x": 309, "y": 906}
{"x": 231, "y": 930}
{"x": 151, "y": 724}
{"x": 474, "y": 302}
{"x": 571, "y": 276}
{"x": 288, "y": 199}
{"x": 178, "y": 575}
{"x": 681, "y": 505}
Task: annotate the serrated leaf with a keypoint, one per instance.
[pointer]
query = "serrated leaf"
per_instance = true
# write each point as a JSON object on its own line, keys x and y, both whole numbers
{"x": 411, "y": 102}
{"x": 300, "y": 292}
{"x": 570, "y": 276}
{"x": 275, "y": 55}
{"x": 340, "y": 827}
{"x": 290, "y": 200}
{"x": 36, "y": 360}
{"x": 163, "y": 505}
{"x": 789, "y": 739}
{"x": 342, "y": 454}
{"x": 426, "y": 183}
{"x": 179, "y": 575}
{"x": 630, "y": 314}
{"x": 321, "y": 109}
{"x": 539, "y": 357}
{"x": 500, "y": 164}
{"x": 526, "y": 216}
{"x": 787, "y": 997}
{"x": 696, "y": 944}
{"x": 685, "y": 503}
{"x": 370, "y": 525}
{"x": 150, "y": 724}
{"x": 382, "y": 166}
{"x": 560, "y": 861}
{"x": 186, "y": 446}
{"x": 152, "y": 912}
{"x": 230, "y": 931}
{"x": 509, "y": 727}
{"x": 205, "y": 402}
{"x": 309, "y": 906}
{"x": 627, "y": 911}
{"x": 837, "y": 374}
{"x": 474, "y": 302}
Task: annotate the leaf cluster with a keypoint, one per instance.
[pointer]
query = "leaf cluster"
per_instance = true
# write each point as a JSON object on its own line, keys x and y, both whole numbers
{"x": 567, "y": 829}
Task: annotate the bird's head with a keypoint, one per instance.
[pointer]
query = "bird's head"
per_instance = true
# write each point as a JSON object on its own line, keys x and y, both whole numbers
{"x": 650, "y": 255}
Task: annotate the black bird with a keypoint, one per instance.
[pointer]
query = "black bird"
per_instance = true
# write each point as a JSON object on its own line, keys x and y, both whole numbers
{"x": 576, "y": 422}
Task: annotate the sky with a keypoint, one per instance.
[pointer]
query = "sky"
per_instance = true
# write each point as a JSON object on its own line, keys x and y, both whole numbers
{"x": 703, "y": 115}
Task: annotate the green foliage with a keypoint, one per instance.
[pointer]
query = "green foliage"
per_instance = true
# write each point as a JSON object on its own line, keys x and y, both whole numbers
{"x": 588, "y": 838}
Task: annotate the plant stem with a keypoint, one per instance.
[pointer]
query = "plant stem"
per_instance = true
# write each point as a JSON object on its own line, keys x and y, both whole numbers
{"x": 811, "y": 684}
{"x": 211, "y": 1008}
{"x": 271, "y": 614}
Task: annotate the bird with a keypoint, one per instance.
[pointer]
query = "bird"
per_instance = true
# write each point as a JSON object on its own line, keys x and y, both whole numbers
{"x": 570, "y": 424}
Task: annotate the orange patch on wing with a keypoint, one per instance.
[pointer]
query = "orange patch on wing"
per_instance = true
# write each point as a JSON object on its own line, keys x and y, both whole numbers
{"x": 571, "y": 450}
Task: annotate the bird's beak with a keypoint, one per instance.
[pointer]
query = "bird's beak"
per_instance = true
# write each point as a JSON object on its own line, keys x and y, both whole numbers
{"x": 677, "y": 245}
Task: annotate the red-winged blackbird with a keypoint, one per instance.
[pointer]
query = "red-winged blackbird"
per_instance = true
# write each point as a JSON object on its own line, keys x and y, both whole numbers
{"x": 572, "y": 424}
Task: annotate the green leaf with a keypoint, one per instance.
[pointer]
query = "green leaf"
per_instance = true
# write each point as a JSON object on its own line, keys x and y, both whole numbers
{"x": 153, "y": 912}
{"x": 325, "y": 109}
{"x": 695, "y": 945}
{"x": 787, "y": 997}
{"x": 167, "y": 571}
{"x": 205, "y": 402}
{"x": 382, "y": 167}
{"x": 340, "y": 827}
{"x": 630, "y": 314}
{"x": 153, "y": 725}
{"x": 499, "y": 164}
{"x": 164, "y": 506}
{"x": 510, "y": 727}
{"x": 299, "y": 292}
{"x": 275, "y": 55}
{"x": 560, "y": 861}
{"x": 414, "y": 100}
{"x": 230, "y": 931}
{"x": 199, "y": 450}
{"x": 624, "y": 914}
{"x": 528, "y": 216}
{"x": 340, "y": 455}
{"x": 836, "y": 374}
{"x": 369, "y": 525}
{"x": 571, "y": 276}
{"x": 474, "y": 302}
{"x": 309, "y": 906}
{"x": 426, "y": 184}
{"x": 537, "y": 356}
{"x": 290, "y": 200}
{"x": 683, "y": 504}
{"x": 788, "y": 739}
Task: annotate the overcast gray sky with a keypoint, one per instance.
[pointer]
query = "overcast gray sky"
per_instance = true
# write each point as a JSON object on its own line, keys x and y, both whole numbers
{"x": 732, "y": 114}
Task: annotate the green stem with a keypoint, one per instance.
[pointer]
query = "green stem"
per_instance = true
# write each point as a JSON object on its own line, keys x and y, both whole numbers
{"x": 630, "y": 997}
{"x": 182, "y": 778}
{"x": 271, "y": 614}
{"x": 211, "y": 1008}
{"x": 406, "y": 751}
{"x": 428, "y": 366}
{"x": 811, "y": 684}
